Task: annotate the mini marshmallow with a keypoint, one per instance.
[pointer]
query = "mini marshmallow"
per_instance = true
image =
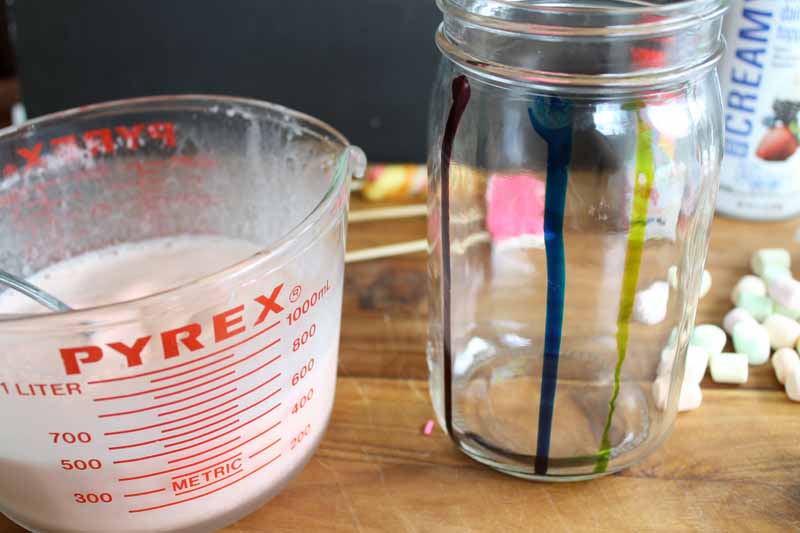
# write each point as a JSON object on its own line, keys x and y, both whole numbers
{"x": 783, "y": 331}
{"x": 650, "y": 304}
{"x": 785, "y": 291}
{"x": 775, "y": 272}
{"x": 705, "y": 283}
{"x": 751, "y": 340}
{"x": 769, "y": 257}
{"x": 660, "y": 391}
{"x": 760, "y": 307}
{"x": 709, "y": 337}
{"x": 784, "y": 362}
{"x": 729, "y": 368}
{"x": 696, "y": 364}
{"x": 673, "y": 337}
{"x": 666, "y": 362}
{"x": 794, "y": 314}
{"x": 672, "y": 276}
{"x": 792, "y": 386}
{"x": 691, "y": 397}
{"x": 734, "y": 316}
{"x": 751, "y": 284}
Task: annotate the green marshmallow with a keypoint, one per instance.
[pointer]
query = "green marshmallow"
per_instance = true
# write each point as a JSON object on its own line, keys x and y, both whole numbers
{"x": 710, "y": 338}
{"x": 758, "y": 306}
{"x": 794, "y": 314}
{"x": 767, "y": 257}
{"x": 751, "y": 340}
{"x": 773, "y": 272}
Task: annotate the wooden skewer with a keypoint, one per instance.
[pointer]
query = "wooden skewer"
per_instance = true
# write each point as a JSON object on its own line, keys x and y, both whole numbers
{"x": 385, "y": 213}
{"x": 389, "y": 250}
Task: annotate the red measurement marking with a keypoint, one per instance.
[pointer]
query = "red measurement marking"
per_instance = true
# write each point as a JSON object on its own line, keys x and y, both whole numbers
{"x": 201, "y": 428}
{"x": 273, "y": 426}
{"x": 176, "y": 428}
{"x": 112, "y": 448}
{"x": 168, "y": 422}
{"x": 143, "y": 409}
{"x": 218, "y": 387}
{"x": 193, "y": 361}
{"x": 135, "y": 459}
{"x": 206, "y": 434}
{"x": 239, "y": 397}
{"x": 237, "y": 428}
{"x": 133, "y": 494}
{"x": 201, "y": 461}
{"x": 212, "y": 363}
{"x": 267, "y": 447}
{"x": 267, "y": 347}
{"x": 193, "y": 387}
{"x": 158, "y": 389}
{"x": 208, "y": 484}
{"x": 163, "y": 439}
{"x": 193, "y": 472}
{"x": 237, "y": 413}
{"x": 170, "y": 504}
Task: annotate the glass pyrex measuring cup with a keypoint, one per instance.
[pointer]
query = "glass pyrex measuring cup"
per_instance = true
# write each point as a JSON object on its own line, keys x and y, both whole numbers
{"x": 574, "y": 158}
{"x": 185, "y": 409}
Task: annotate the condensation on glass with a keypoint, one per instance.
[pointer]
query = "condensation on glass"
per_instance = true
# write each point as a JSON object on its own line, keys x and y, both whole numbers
{"x": 574, "y": 157}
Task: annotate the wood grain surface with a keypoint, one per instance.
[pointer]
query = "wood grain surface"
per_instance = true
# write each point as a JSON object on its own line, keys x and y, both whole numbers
{"x": 732, "y": 465}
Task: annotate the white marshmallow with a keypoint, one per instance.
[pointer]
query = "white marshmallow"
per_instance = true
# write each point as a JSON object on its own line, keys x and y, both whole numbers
{"x": 786, "y": 292}
{"x": 691, "y": 396}
{"x": 705, "y": 283}
{"x": 751, "y": 284}
{"x": 660, "y": 391}
{"x": 696, "y": 364}
{"x": 650, "y": 304}
{"x": 709, "y": 337}
{"x": 729, "y": 368}
{"x": 666, "y": 362}
{"x": 783, "y": 331}
{"x": 784, "y": 362}
{"x": 672, "y": 276}
{"x": 793, "y": 386}
{"x": 734, "y": 316}
{"x": 770, "y": 257}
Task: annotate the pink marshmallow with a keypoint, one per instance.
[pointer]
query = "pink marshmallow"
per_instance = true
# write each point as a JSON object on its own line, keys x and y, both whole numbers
{"x": 515, "y": 206}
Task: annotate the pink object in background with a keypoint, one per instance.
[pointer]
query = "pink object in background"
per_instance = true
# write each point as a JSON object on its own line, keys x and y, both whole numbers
{"x": 428, "y": 429}
{"x": 515, "y": 206}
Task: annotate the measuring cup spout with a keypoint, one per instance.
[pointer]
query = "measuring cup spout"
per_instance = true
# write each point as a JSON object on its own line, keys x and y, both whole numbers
{"x": 356, "y": 161}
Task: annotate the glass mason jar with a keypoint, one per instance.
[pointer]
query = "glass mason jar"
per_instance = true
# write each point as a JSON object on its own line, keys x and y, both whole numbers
{"x": 574, "y": 158}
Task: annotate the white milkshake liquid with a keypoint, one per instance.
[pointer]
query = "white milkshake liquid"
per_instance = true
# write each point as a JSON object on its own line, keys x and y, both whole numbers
{"x": 213, "y": 409}
{"x": 129, "y": 271}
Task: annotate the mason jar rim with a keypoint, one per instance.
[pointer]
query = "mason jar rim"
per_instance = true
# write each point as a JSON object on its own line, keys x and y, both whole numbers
{"x": 569, "y": 19}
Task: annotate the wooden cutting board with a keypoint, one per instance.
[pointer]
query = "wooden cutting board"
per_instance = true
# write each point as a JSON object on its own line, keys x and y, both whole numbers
{"x": 732, "y": 465}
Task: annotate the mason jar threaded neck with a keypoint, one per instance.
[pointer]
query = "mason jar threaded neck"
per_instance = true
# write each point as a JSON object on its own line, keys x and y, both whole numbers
{"x": 608, "y": 44}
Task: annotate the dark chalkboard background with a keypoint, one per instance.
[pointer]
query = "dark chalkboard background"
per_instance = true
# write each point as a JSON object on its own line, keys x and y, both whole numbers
{"x": 364, "y": 66}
